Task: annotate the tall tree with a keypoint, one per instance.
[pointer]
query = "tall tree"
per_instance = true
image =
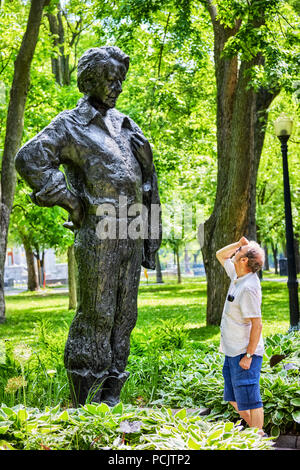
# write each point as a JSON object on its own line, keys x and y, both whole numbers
{"x": 242, "y": 110}
{"x": 250, "y": 53}
{"x": 66, "y": 24}
{"x": 14, "y": 129}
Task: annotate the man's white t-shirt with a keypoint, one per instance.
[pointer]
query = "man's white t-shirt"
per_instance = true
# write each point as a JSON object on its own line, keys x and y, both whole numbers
{"x": 235, "y": 323}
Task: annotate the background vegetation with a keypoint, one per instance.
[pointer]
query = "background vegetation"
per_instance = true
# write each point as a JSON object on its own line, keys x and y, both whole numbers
{"x": 174, "y": 361}
{"x": 172, "y": 92}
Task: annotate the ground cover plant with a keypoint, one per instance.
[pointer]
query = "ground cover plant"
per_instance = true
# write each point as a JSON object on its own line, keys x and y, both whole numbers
{"x": 95, "y": 426}
{"x": 174, "y": 363}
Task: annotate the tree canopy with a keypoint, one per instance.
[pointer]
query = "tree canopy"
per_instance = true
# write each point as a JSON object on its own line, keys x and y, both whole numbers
{"x": 193, "y": 68}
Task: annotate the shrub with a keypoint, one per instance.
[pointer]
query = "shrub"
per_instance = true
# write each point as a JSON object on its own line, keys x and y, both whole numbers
{"x": 96, "y": 426}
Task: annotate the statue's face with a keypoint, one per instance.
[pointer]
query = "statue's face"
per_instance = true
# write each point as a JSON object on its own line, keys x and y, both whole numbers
{"x": 109, "y": 85}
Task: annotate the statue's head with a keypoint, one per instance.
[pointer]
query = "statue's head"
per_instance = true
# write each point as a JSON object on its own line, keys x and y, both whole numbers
{"x": 100, "y": 73}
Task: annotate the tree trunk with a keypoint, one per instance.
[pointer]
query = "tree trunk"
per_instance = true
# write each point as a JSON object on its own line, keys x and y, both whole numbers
{"x": 260, "y": 272}
{"x": 178, "y": 267}
{"x": 159, "y": 278}
{"x": 187, "y": 267}
{"x": 263, "y": 100}
{"x": 267, "y": 267}
{"x": 60, "y": 63}
{"x": 297, "y": 254}
{"x": 72, "y": 278}
{"x": 14, "y": 130}
{"x": 38, "y": 262}
{"x": 43, "y": 272}
{"x": 240, "y": 138}
{"x": 40, "y": 265}
{"x": 32, "y": 276}
{"x": 275, "y": 257}
{"x": 55, "y": 61}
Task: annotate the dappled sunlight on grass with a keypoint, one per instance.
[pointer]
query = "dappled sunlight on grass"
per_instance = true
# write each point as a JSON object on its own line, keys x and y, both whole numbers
{"x": 170, "y": 336}
{"x": 275, "y": 307}
{"x": 184, "y": 303}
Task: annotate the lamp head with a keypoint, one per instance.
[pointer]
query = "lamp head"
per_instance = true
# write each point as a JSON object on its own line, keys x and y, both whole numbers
{"x": 283, "y": 126}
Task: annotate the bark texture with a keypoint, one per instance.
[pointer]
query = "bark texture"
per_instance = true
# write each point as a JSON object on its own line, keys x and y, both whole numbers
{"x": 159, "y": 278}
{"x": 14, "y": 129}
{"x": 32, "y": 275}
{"x": 60, "y": 62}
{"x": 241, "y": 117}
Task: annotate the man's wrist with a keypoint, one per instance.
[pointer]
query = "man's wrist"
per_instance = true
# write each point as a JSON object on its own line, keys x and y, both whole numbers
{"x": 248, "y": 355}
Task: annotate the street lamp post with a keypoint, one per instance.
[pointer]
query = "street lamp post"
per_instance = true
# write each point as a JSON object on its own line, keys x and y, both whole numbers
{"x": 283, "y": 129}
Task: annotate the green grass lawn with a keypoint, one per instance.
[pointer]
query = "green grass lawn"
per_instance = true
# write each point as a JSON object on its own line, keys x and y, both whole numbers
{"x": 41, "y": 321}
{"x": 185, "y": 303}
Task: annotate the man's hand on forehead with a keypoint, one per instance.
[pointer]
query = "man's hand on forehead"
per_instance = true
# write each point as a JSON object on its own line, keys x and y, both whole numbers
{"x": 243, "y": 241}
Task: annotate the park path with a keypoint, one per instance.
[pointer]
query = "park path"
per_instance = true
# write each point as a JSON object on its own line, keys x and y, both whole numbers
{"x": 65, "y": 289}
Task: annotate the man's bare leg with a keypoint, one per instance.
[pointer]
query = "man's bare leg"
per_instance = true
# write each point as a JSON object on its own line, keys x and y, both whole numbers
{"x": 257, "y": 419}
{"x": 245, "y": 414}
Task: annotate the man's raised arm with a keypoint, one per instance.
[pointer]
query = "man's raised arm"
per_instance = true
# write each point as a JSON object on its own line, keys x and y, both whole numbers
{"x": 228, "y": 251}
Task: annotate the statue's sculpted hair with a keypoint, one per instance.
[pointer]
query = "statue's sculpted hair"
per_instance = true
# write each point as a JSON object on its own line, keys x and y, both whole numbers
{"x": 90, "y": 61}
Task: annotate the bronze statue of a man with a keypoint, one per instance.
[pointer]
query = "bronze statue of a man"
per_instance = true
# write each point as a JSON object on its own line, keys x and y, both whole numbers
{"x": 107, "y": 161}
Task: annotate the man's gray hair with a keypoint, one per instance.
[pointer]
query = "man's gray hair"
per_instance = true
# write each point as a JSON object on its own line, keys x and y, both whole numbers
{"x": 256, "y": 256}
{"x": 88, "y": 65}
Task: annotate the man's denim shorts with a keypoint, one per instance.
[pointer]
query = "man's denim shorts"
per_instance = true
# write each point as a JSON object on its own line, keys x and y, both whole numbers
{"x": 242, "y": 385}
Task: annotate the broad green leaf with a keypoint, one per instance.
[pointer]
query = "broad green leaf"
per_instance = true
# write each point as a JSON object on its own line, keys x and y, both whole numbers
{"x": 4, "y": 428}
{"x": 275, "y": 431}
{"x": 215, "y": 435}
{"x": 193, "y": 444}
{"x": 22, "y": 415}
{"x": 295, "y": 401}
{"x": 181, "y": 428}
{"x": 118, "y": 409}
{"x": 92, "y": 409}
{"x": 228, "y": 427}
{"x": 181, "y": 414}
{"x": 9, "y": 412}
{"x": 64, "y": 416}
{"x": 103, "y": 408}
{"x": 296, "y": 416}
{"x": 4, "y": 445}
{"x": 49, "y": 429}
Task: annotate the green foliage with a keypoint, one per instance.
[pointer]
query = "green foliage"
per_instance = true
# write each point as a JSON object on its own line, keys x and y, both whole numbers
{"x": 193, "y": 378}
{"x": 170, "y": 89}
{"x": 168, "y": 79}
{"x": 43, "y": 373}
{"x": 269, "y": 28}
{"x": 281, "y": 386}
{"x": 169, "y": 334}
{"x": 39, "y": 228}
{"x": 179, "y": 369}
{"x": 97, "y": 427}
{"x": 270, "y": 201}
{"x": 170, "y": 92}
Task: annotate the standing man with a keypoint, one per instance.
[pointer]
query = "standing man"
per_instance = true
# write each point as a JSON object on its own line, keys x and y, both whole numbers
{"x": 241, "y": 327}
{"x": 108, "y": 165}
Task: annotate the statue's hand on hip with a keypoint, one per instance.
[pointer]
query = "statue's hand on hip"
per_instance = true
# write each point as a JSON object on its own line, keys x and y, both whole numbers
{"x": 75, "y": 208}
{"x": 143, "y": 153}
